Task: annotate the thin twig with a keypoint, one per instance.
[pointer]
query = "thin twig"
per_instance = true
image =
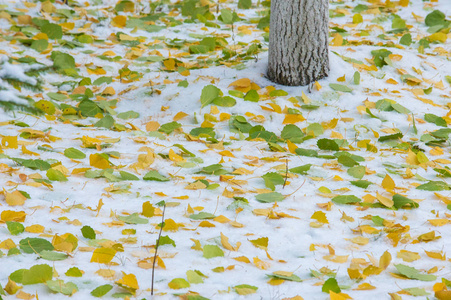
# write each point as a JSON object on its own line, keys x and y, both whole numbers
{"x": 286, "y": 173}
{"x": 156, "y": 249}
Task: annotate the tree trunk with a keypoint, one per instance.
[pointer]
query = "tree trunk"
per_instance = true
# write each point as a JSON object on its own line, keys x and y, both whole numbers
{"x": 298, "y": 41}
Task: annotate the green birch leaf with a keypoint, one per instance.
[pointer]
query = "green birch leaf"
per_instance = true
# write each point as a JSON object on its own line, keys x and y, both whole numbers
{"x": 133, "y": 219}
{"x": 245, "y": 289}
{"x": 331, "y": 284}
{"x": 327, "y": 144}
{"x": 401, "y": 201}
{"x": 357, "y": 172}
{"x": 439, "y": 121}
{"x": 88, "y": 232}
{"x": 128, "y": 115}
{"x": 55, "y": 175}
{"x": 284, "y": 277}
{"x": 15, "y": 228}
{"x": 340, "y": 87}
{"x": 35, "y": 245}
{"x": 36, "y": 274}
{"x": 39, "y": 45}
{"x": 105, "y": 122}
{"x": 53, "y": 31}
{"x": 272, "y": 179}
{"x": 193, "y": 277}
{"x": 301, "y": 169}
{"x": 168, "y": 128}
{"x": 127, "y": 176}
{"x": 59, "y": 286}
{"x": 102, "y": 290}
{"x": 269, "y": 197}
{"x": 52, "y": 255}
{"x": 155, "y": 176}
{"x": 74, "y": 272}
{"x": 346, "y": 199}
{"x": 413, "y": 273}
{"x": 361, "y": 183}
{"x": 347, "y": 161}
{"x": 210, "y": 251}
{"x": 209, "y": 93}
{"x": 74, "y": 153}
{"x": 166, "y": 240}
{"x": 33, "y": 164}
{"x": 202, "y": 216}
{"x": 434, "y": 186}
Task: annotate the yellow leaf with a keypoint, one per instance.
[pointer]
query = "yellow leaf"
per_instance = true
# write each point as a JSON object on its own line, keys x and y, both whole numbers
{"x": 337, "y": 40}
{"x": 261, "y": 264}
{"x": 365, "y": 286}
{"x": 98, "y": 161}
{"x": 445, "y": 200}
{"x": 180, "y": 115}
{"x": 35, "y": 228}
{"x": 242, "y": 259}
{"x": 293, "y": 118}
{"x": 317, "y": 85}
{"x": 119, "y": 21}
{"x": 197, "y": 185}
{"x": 291, "y": 147}
{"x": 103, "y": 255}
{"x": 197, "y": 245}
{"x": 67, "y": 242}
{"x": 11, "y": 287}
{"x": 67, "y": 25}
{"x": 106, "y": 273}
{"x": 225, "y": 243}
{"x": 435, "y": 255}
{"x": 443, "y": 295}
{"x": 170, "y": 225}
{"x": 384, "y": 200}
{"x": 128, "y": 282}
{"x": 25, "y": 296}
{"x": 7, "y": 244}
{"x": 360, "y": 240}
{"x": 385, "y": 260}
{"x": 221, "y": 219}
{"x": 355, "y": 274}
{"x": 388, "y": 184}
{"x": 306, "y": 99}
{"x": 243, "y": 85}
{"x": 438, "y": 222}
{"x": 331, "y": 124}
{"x": 342, "y": 78}
{"x": 10, "y": 142}
{"x": 174, "y": 156}
{"x": 320, "y": 217}
{"x": 206, "y": 224}
{"x": 408, "y": 256}
{"x": 10, "y": 215}
{"x": 109, "y": 91}
{"x": 335, "y": 296}
{"x": 438, "y": 37}
{"x": 15, "y": 198}
{"x": 336, "y": 258}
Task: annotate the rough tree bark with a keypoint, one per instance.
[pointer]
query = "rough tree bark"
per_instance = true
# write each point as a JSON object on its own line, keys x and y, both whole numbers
{"x": 298, "y": 41}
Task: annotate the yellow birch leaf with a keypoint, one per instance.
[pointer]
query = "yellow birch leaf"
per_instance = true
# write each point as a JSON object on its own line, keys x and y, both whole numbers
{"x": 443, "y": 295}
{"x": 438, "y": 37}
{"x": 293, "y": 118}
{"x": 435, "y": 255}
{"x": 355, "y": 274}
{"x": 388, "y": 184}
{"x": 365, "y": 286}
{"x": 243, "y": 85}
{"x": 67, "y": 25}
{"x": 197, "y": 185}
{"x": 109, "y": 91}
{"x": 342, "y": 78}
{"x": 226, "y": 153}
{"x": 261, "y": 264}
{"x": 330, "y": 125}
{"x": 438, "y": 222}
{"x": 103, "y": 255}
{"x": 276, "y": 281}
{"x": 225, "y": 243}
{"x": 174, "y": 156}
{"x": 360, "y": 240}
{"x": 11, "y": 287}
{"x": 306, "y": 99}
{"x": 152, "y": 126}
{"x": 106, "y": 273}
{"x": 7, "y": 244}
{"x": 436, "y": 151}
{"x": 221, "y": 219}
{"x": 408, "y": 256}
{"x": 291, "y": 147}
{"x": 98, "y": 161}
{"x": 128, "y": 282}
{"x": 317, "y": 85}
{"x": 15, "y": 198}
{"x": 25, "y": 296}
{"x": 206, "y": 224}
{"x": 444, "y": 199}
{"x": 180, "y": 115}
{"x": 197, "y": 245}
{"x": 335, "y": 296}
{"x": 119, "y": 21}
{"x": 35, "y": 228}
{"x": 10, "y": 142}
{"x": 320, "y": 217}
{"x": 170, "y": 225}
{"x": 384, "y": 260}
{"x": 336, "y": 258}
{"x": 242, "y": 259}
{"x": 337, "y": 40}
{"x": 10, "y": 215}
{"x": 384, "y": 200}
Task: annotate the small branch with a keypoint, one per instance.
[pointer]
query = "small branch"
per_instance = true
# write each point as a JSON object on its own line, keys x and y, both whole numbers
{"x": 156, "y": 249}
{"x": 286, "y": 173}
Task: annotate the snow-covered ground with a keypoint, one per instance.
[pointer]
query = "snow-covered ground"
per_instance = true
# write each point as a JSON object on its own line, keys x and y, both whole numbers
{"x": 269, "y": 192}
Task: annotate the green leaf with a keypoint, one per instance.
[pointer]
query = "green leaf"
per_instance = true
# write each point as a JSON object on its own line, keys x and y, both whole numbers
{"x": 439, "y": 121}
{"x": 406, "y": 39}
{"x": 128, "y": 115}
{"x": 380, "y": 57}
{"x": 53, "y": 31}
{"x": 252, "y": 96}
{"x": 331, "y": 284}
{"x": 125, "y": 6}
{"x": 301, "y": 169}
{"x": 361, "y": 183}
{"x": 293, "y": 133}
{"x": 356, "y": 78}
{"x": 203, "y": 132}
{"x": 416, "y": 291}
{"x": 413, "y": 273}
{"x": 52, "y": 255}
{"x": 15, "y": 228}
{"x": 105, "y": 122}
{"x": 33, "y": 164}
{"x": 435, "y": 18}
{"x": 74, "y": 272}
{"x": 168, "y": 128}
{"x": 327, "y": 144}
{"x": 55, "y": 175}
{"x": 357, "y": 172}
{"x": 194, "y": 277}
{"x": 178, "y": 283}
{"x": 45, "y": 106}
{"x": 88, "y": 232}
{"x": 89, "y": 108}
{"x": 39, "y": 45}
{"x": 434, "y": 186}
{"x": 314, "y": 129}
{"x": 269, "y": 197}
{"x": 401, "y": 109}
{"x": 401, "y": 201}
{"x": 340, "y": 87}
{"x": 346, "y": 199}
{"x": 101, "y": 290}
{"x": 245, "y": 289}
{"x": 215, "y": 169}
{"x": 209, "y": 93}
{"x": 225, "y": 101}
{"x": 284, "y": 277}
{"x": 155, "y": 176}
{"x": 210, "y": 251}
{"x": 244, "y": 4}
{"x": 133, "y": 219}
{"x": 127, "y": 176}
{"x": 202, "y": 216}
{"x": 62, "y": 61}
{"x": 74, "y": 153}
{"x": 306, "y": 152}
{"x": 226, "y": 16}
{"x": 395, "y": 136}
{"x": 59, "y": 286}
{"x": 35, "y": 245}
{"x": 166, "y": 240}
{"x": 36, "y": 274}
{"x": 347, "y": 161}
{"x": 272, "y": 179}
{"x": 103, "y": 79}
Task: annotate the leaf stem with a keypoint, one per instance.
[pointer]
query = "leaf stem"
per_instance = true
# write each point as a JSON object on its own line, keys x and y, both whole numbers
{"x": 156, "y": 249}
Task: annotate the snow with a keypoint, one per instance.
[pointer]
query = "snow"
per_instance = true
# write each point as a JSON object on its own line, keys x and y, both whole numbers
{"x": 63, "y": 207}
